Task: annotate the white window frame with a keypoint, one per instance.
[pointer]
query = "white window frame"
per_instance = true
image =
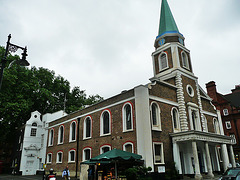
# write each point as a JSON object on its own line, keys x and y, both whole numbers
{"x": 186, "y": 60}
{"x": 158, "y": 126}
{"x": 71, "y": 131}
{"x": 128, "y": 143}
{"x": 101, "y": 148}
{"x": 162, "y": 153}
{"x": 101, "y": 123}
{"x": 228, "y": 125}
{"x": 69, "y": 155}
{"x": 83, "y": 155}
{"x": 177, "y": 129}
{"x": 49, "y": 137}
{"x": 234, "y": 141}
{"x": 216, "y": 126}
{"x": 49, "y": 160}
{"x": 197, "y": 120}
{"x": 33, "y": 132}
{"x": 85, "y": 128}
{"x": 59, "y": 134}
{"x": 124, "y": 118}
{"x": 225, "y": 112}
{"x": 57, "y": 158}
{"x": 205, "y": 121}
{"x": 159, "y": 61}
{"x": 192, "y": 90}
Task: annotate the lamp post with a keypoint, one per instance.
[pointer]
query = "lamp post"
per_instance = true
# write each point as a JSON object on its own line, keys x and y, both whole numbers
{"x": 13, "y": 48}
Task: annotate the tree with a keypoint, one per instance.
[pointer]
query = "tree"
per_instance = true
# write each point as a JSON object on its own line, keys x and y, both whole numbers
{"x": 25, "y": 90}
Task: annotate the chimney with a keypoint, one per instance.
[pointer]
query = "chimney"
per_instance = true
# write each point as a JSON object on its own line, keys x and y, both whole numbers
{"x": 237, "y": 89}
{"x": 212, "y": 90}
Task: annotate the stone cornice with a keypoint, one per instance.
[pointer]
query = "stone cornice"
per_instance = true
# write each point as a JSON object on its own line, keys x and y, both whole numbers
{"x": 200, "y": 136}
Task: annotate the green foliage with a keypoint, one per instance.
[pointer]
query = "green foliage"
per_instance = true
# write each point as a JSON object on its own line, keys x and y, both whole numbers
{"x": 138, "y": 173}
{"x": 25, "y": 90}
{"x": 172, "y": 173}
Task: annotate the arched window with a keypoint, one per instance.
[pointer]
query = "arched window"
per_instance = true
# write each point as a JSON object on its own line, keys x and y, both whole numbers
{"x": 105, "y": 123}
{"x": 194, "y": 117}
{"x": 73, "y": 131}
{"x": 33, "y": 129}
{"x": 87, "y": 127}
{"x": 59, "y": 156}
{"x": 163, "y": 61}
{"x": 105, "y": 148}
{"x": 86, "y": 153}
{"x": 60, "y": 134}
{"x": 49, "y": 158}
{"x": 50, "y": 138}
{"x": 155, "y": 116}
{"x": 205, "y": 123}
{"x": 175, "y": 119}
{"x": 128, "y": 146}
{"x": 216, "y": 126}
{"x": 71, "y": 155}
{"x": 127, "y": 116}
{"x": 185, "y": 60}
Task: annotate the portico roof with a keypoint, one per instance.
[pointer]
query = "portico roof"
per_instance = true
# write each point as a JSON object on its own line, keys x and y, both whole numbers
{"x": 200, "y": 136}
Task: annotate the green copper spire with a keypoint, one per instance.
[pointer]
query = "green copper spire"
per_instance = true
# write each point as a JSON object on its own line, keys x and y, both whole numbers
{"x": 167, "y": 23}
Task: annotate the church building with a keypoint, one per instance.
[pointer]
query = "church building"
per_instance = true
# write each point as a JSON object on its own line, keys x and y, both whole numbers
{"x": 170, "y": 119}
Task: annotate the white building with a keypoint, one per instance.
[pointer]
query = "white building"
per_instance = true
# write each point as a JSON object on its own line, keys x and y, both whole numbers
{"x": 35, "y": 141}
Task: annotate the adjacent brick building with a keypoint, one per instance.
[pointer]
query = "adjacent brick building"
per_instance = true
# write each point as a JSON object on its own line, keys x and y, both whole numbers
{"x": 170, "y": 119}
{"x": 229, "y": 106}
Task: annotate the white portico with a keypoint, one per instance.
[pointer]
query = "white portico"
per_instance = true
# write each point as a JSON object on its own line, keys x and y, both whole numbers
{"x": 197, "y": 152}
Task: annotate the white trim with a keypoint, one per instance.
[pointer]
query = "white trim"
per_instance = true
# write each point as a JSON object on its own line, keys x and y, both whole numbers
{"x": 51, "y": 132}
{"x": 83, "y": 155}
{"x": 187, "y": 60}
{"x": 160, "y": 61}
{"x": 163, "y": 100}
{"x": 216, "y": 126}
{"x": 228, "y": 125}
{"x": 101, "y": 148}
{"x": 60, "y": 134}
{"x": 69, "y": 155}
{"x": 128, "y": 143}
{"x": 57, "y": 159}
{"x": 48, "y": 162}
{"x": 101, "y": 123}
{"x": 124, "y": 124}
{"x": 190, "y": 94}
{"x": 178, "y": 129}
{"x": 209, "y": 113}
{"x": 70, "y": 132}
{"x": 91, "y": 112}
{"x": 158, "y": 126}
{"x": 197, "y": 121}
{"x": 84, "y": 128}
{"x": 162, "y": 154}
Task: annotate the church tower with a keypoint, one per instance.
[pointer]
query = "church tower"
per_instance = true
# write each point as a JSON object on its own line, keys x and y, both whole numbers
{"x": 172, "y": 64}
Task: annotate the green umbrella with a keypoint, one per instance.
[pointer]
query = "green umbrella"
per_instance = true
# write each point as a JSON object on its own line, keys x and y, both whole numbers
{"x": 116, "y": 155}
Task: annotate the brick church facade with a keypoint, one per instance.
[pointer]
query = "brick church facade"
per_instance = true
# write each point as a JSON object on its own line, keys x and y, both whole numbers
{"x": 170, "y": 119}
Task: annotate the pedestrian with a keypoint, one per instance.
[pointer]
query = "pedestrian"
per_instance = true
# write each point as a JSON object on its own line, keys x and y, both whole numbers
{"x": 66, "y": 173}
{"x": 90, "y": 173}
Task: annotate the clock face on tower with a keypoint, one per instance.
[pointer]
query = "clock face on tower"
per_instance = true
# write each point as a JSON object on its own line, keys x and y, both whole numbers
{"x": 180, "y": 40}
{"x": 161, "y": 42}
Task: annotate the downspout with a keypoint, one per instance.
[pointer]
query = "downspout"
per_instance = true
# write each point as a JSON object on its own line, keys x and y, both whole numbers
{"x": 77, "y": 146}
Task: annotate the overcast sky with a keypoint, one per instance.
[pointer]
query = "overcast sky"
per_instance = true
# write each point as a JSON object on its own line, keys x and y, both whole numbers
{"x": 105, "y": 46}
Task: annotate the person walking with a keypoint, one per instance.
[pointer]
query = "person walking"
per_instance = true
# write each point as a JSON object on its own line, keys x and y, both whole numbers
{"x": 66, "y": 173}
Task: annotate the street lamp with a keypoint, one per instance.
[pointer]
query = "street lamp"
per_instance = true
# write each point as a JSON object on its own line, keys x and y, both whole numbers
{"x": 13, "y": 48}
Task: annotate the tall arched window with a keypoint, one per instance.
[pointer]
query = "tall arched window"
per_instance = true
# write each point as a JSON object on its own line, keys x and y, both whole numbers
{"x": 155, "y": 116}
{"x": 71, "y": 155}
{"x": 163, "y": 61}
{"x": 72, "y": 134}
{"x": 175, "y": 119}
{"x": 216, "y": 126}
{"x": 50, "y": 139}
{"x": 127, "y": 116}
{"x": 185, "y": 60}
{"x": 105, "y": 123}
{"x": 60, "y": 134}
{"x": 87, "y": 127}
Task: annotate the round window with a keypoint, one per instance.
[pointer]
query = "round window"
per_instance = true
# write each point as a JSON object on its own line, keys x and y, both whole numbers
{"x": 190, "y": 90}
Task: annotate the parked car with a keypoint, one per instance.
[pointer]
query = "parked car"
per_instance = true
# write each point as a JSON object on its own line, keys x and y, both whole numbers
{"x": 231, "y": 174}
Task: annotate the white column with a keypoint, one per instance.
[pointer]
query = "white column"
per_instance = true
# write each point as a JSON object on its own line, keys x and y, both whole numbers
{"x": 208, "y": 158}
{"x": 232, "y": 158}
{"x": 225, "y": 157}
{"x": 176, "y": 157}
{"x": 196, "y": 161}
